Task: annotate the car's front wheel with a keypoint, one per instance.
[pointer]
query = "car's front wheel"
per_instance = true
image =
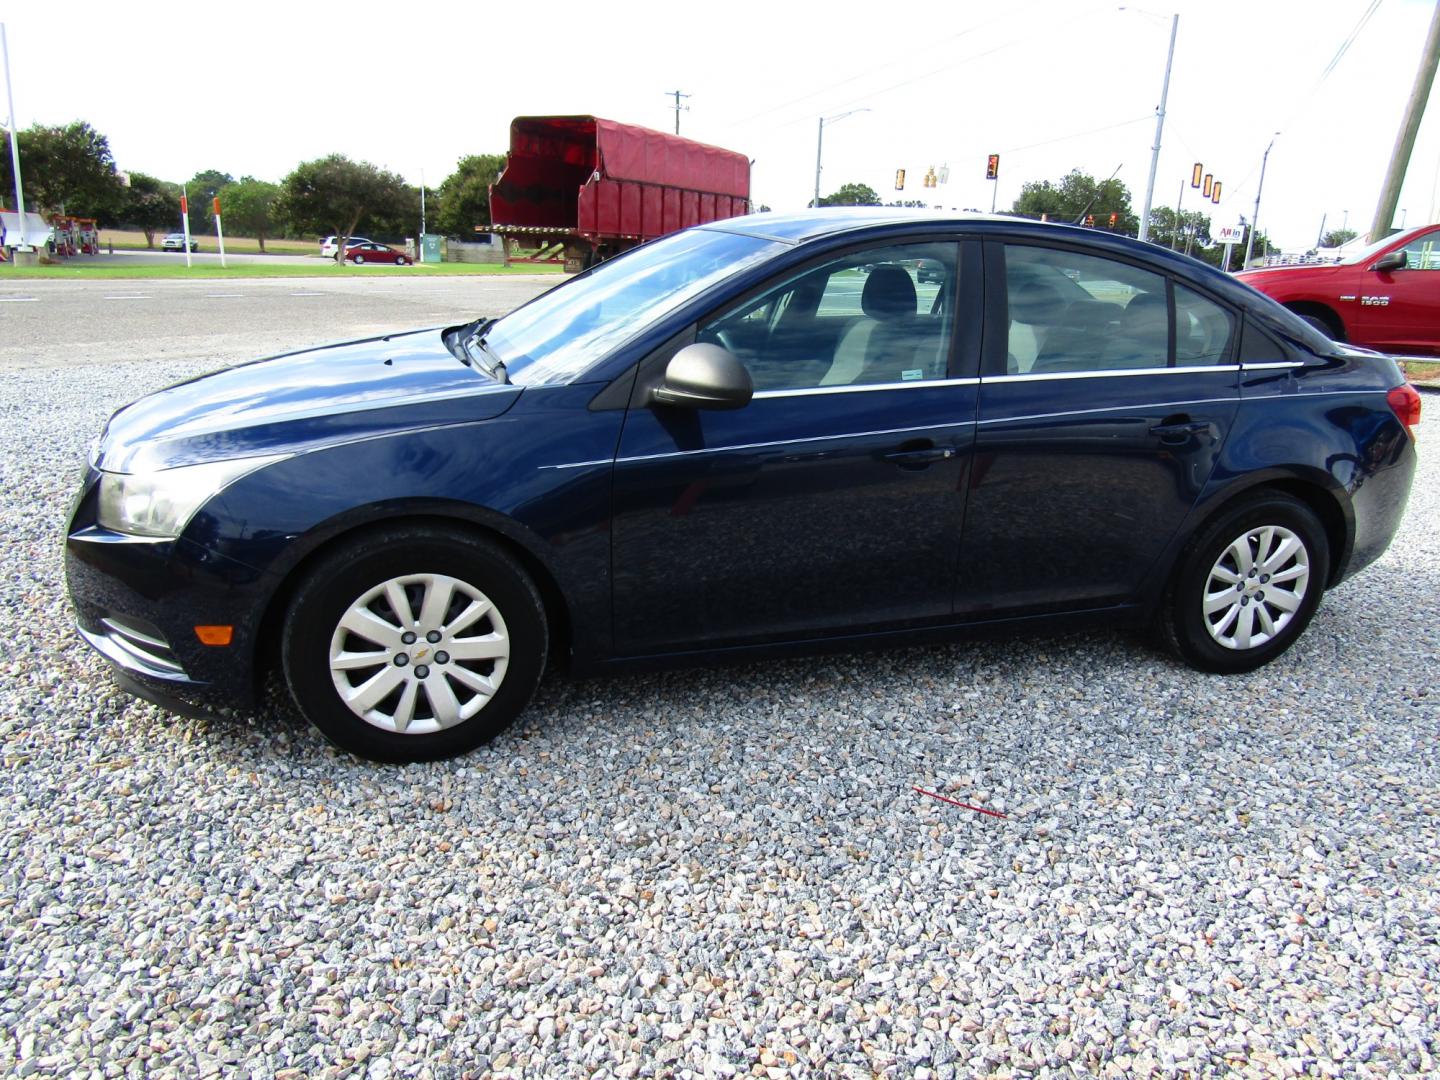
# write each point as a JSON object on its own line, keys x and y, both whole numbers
{"x": 412, "y": 645}
{"x": 357, "y": 259}
{"x": 1247, "y": 585}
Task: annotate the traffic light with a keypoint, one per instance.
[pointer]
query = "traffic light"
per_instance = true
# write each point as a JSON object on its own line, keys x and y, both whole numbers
{"x": 1114, "y": 218}
{"x": 930, "y": 179}
{"x": 1195, "y": 172}
{"x": 992, "y": 167}
{"x": 1209, "y": 183}
{"x": 899, "y": 179}
{"x": 1089, "y": 221}
{"x": 1215, "y": 192}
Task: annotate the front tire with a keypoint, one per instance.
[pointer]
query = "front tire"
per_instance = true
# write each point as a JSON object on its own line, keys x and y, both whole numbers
{"x": 357, "y": 259}
{"x": 414, "y": 644}
{"x": 1248, "y": 584}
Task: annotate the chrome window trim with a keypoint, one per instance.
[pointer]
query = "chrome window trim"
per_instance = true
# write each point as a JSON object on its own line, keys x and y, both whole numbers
{"x": 1273, "y": 365}
{"x": 855, "y": 388}
{"x": 1045, "y": 376}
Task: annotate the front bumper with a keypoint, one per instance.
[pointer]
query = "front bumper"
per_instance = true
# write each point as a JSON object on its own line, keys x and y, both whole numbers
{"x": 137, "y": 602}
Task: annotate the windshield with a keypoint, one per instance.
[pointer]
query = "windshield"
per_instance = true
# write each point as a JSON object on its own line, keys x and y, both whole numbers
{"x": 558, "y": 335}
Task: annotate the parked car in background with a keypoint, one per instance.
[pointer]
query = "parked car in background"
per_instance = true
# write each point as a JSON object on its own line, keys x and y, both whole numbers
{"x": 175, "y": 241}
{"x": 370, "y": 252}
{"x": 330, "y": 245}
{"x": 1385, "y": 296}
{"x": 717, "y": 444}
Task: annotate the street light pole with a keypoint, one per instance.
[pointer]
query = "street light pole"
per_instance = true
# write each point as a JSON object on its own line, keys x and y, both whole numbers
{"x": 14, "y": 139}
{"x": 1159, "y": 128}
{"x": 820, "y": 141}
{"x": 1255, "y": 217}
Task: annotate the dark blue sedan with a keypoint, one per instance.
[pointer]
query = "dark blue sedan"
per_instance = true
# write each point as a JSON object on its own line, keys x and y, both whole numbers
{"x": 779, "y": 431}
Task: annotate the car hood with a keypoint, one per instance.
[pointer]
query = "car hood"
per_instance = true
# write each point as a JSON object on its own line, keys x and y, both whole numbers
{"x": 1257, "y": 278}
{"x": 300, "y": 400}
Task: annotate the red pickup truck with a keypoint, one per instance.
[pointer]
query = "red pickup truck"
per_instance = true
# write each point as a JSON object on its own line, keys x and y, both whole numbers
{"x": 1384, "y": 297}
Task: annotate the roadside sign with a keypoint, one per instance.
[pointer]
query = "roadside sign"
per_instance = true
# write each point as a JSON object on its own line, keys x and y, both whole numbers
{"x": 1228, "y": 234}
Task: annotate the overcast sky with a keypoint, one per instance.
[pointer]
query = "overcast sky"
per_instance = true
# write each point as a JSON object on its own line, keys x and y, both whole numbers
{"x": 1049, "y": 84}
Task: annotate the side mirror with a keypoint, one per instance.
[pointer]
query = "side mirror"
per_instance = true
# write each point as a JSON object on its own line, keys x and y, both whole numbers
{"x": 705, "y": 377}
{"x": 1395, "y": 260}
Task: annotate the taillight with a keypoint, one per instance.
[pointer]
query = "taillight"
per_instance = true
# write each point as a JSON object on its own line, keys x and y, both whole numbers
{"x": 1404, "y": 401}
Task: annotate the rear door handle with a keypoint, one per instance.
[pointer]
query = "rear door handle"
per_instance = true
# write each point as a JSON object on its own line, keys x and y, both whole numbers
{"x": 1179, "y": 428}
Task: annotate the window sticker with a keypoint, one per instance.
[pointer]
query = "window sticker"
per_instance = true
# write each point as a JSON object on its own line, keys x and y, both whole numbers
{"x": 911, "y": 374}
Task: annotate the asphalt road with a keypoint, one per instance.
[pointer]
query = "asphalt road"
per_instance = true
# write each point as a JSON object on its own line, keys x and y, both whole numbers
{"x": 64, "y": 323}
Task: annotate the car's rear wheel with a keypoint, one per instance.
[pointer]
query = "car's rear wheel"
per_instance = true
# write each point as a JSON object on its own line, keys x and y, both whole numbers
{"x": 412, "y": 645}
{"x": 1247, "y": 585}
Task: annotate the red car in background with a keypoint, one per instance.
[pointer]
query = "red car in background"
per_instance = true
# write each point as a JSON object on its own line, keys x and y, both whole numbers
{"x": 1384, "y": 297}
{"x": 371, "y": 252}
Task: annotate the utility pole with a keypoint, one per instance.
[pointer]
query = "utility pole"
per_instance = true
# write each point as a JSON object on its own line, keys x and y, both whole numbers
{"x": 677, "y": 95}
{"x": 1409, "y": 127}
{"x": 1255, "y": 217}
{"x": 14, "y": 139}
{"x": 1320, "y": 237}
{"x": 820, "y": 142}
{"x": 1159, "y": 128}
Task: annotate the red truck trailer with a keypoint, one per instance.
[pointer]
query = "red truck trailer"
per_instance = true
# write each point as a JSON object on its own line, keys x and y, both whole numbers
{"x": 596, "y": 187}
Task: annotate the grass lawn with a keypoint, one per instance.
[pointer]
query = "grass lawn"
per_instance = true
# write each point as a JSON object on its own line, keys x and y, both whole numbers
{"x": 1422, "y": 371}
{"x": 318, "y": 268}
{"x": 128, "y": 240}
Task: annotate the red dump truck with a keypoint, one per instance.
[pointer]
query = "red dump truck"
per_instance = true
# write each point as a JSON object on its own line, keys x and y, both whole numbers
{"x": 593, "y": 188}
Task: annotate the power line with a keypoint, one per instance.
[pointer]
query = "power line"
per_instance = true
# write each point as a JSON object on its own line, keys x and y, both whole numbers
{"x": 908, "y": 58}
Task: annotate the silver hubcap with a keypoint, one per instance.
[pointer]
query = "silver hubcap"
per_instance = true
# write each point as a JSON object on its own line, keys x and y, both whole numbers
{"x": 419, "y": 653}
{"x": 1255, "y": 587}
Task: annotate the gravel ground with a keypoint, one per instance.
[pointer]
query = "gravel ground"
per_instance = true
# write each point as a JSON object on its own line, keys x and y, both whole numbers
{"x": 715, "y": 873}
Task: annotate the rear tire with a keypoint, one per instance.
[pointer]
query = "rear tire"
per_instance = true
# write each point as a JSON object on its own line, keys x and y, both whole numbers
{"x": 439, "y": 678}
{"x": 1247, "y": 585}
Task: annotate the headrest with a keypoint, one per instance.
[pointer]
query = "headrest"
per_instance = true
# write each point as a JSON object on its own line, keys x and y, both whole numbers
{"x": 889, "y": 293}
{"x": 1035, "y": 303}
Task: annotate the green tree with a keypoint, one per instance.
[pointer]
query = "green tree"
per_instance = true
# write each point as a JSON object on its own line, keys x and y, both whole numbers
{"x": 65, "y": 167}
{"x": 465, "y": 195}
{"x": 1193, "y": 230}
{"x": 336, "y": 195}
{"x": 1076, "y": 195}
{"x": 249, "y": 208}
{"x": 201, "y": 190}
{"x": 912, "y": 203}
{"x": 1337, "y": 237}
{"x": 851, "y": 195}
{"x": 148, "y": 205}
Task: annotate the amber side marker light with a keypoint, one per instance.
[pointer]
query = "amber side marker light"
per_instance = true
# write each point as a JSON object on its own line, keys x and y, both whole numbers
{"x": 215, "y": 635}
{"x": 1404, "y": 401}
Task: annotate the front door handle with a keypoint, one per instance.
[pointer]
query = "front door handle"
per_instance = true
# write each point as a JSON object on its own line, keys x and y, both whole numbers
{"x": 1177, "y": 429}
{"x": 919, "y": 454}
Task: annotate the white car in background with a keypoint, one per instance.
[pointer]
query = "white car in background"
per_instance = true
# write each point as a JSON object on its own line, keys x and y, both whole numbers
{"x": 175, "y": 241}
{"x": 330, "y": 246}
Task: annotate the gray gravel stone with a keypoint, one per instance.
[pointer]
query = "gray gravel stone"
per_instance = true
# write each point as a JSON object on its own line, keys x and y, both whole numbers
{"x": 724, "y": 873}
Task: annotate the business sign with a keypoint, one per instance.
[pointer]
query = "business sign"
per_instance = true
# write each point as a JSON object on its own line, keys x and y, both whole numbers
{"x": 1228, "y": 234}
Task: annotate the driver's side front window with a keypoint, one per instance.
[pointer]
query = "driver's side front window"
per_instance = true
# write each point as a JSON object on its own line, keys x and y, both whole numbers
{"x": 872, "y": 317}
{"x": 1423, "y": 253}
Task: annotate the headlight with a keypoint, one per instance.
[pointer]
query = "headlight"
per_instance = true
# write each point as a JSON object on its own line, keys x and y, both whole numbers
{"x": 161, "y": 503}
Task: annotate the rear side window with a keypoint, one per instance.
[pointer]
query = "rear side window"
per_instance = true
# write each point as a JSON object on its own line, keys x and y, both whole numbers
{"x": 1078, "y": 312}
{"x": 1074, "y": 312}
{"x": 1203, "y": 330}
